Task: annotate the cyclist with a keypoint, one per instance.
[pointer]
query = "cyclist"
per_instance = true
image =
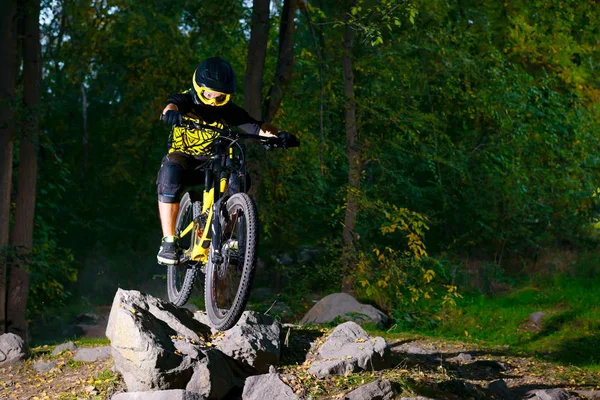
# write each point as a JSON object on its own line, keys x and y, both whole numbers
{"x": 208, "y": 102}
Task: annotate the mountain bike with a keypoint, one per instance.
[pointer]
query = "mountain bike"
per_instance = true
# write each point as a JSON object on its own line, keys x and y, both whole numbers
{"x": 218, "y": 229}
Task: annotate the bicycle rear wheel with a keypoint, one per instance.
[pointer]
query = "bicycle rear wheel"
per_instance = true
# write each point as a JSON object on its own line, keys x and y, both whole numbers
{"x": 229, "y": 276}
{"x": 181, "y": 277}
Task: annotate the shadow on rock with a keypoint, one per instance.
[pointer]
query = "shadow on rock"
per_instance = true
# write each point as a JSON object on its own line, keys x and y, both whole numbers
{"x": 297, "y": 342}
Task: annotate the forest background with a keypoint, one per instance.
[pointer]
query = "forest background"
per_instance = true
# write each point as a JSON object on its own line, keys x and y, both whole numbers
{"x": 449, "y": 148}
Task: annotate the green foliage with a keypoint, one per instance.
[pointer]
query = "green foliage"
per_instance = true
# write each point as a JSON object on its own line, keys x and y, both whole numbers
{"x": 481, "y": 119}
{"x": 372, "y": 19}
{"x": 403, "y": 279}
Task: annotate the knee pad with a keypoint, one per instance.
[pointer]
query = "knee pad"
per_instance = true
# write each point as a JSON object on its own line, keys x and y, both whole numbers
{"x": 170, "y": 182}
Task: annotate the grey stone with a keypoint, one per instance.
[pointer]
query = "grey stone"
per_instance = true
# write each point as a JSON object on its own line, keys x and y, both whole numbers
{"x": 462, "y": 358}
{"x": 44, "y": 366}
{"x": 254, "y": 340}
{"x": 175, "y": 394}
{"x": 378, "y": 390}
{"x": 589, "y": 394}
{"x": 416, "y": 398}
{"x": 63, "y": 347}
{"x": 91, "y": 354}
{"x": 349, "y": 349}
{"x": 549, "y": 394}
{"x": 346, "y": 307}
{"x": 156, "y": 345}
{"x": 12, "y": 349}
{"x": 268, "y": 386}
{"x": 498, "y": 389}
{"x": 537, "y": 317}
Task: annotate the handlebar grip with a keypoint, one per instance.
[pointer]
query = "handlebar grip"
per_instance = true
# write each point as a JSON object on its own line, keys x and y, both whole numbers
{"x": 288, "y": 140}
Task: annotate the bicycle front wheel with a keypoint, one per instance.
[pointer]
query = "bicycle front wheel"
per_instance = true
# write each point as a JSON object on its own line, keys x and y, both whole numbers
{"x": 181, "y": 277}
{"x": 229, "y": 275}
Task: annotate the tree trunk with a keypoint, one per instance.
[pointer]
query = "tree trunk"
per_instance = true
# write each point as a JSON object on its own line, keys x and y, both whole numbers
{"x": 354, "y": 163}
{"x": 285, "y": 61}
{"x": 255, "y": 64}
{"x": 84, "y": 139}
{"x": 22, "y": 235}
{"x": 8, "y": 71}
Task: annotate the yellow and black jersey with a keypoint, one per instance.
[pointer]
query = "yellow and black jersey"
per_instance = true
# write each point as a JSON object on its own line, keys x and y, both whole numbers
{"x": 198, "y": 142}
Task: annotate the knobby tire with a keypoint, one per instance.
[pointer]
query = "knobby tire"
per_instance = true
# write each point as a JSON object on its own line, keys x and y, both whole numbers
{"x": 181, "y": 277}
{"x": 243, "y": 226}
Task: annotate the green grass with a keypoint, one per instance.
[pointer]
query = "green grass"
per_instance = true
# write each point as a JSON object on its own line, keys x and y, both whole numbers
{"x": 570, "y": 331}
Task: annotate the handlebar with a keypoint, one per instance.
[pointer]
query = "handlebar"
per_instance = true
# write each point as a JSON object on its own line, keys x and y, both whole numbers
{"x": 284, "y": 140}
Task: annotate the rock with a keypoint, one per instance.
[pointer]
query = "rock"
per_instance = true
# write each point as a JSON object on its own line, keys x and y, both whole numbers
{"x": 155, "y": 345}
{"x": 378, "y": 390}
{"x": 12, "y": 349}
{"x": 589, "y": 394}
{"x": 346, "y": 307}
{"x": 550, "y": 394}
{"x": 461, "y": 358}
{"x": 91, "y": 354}
{"x": 70, "y": 346}
{"x": 254, "y": 340}
{"x": 44, "y": 366}
{"x": 268, "y": 386}
{"x": 537, "y": 317}
{"x": 496, "y": 365}
{"x": 498, "y": 389}
{"x": 175, "y": 394}
{"x": 349, "y": 349}
{"x": 416, "y": 398}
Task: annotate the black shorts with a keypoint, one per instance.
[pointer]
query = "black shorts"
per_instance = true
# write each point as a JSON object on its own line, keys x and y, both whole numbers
{"x": 177, "y": 172}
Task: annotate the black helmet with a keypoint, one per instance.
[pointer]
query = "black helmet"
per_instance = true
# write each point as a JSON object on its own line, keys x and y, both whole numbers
{"x": 215, "y": 74}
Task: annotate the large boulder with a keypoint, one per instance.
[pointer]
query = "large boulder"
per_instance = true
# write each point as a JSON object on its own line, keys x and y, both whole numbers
{"x": 347, "y": 308}
{"x": 157, "y": 346}
{"x": 348, "y": 349}
{"x": 254, "y": 340}
{"x": 12, "y": 349}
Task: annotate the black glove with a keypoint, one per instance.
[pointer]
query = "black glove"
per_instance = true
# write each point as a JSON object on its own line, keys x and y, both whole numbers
{"x": 172, "y": 117}
{"x": 288, "y": 140}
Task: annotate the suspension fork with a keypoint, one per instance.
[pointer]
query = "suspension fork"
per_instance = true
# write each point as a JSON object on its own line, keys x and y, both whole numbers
{"x": 219, "y": 186}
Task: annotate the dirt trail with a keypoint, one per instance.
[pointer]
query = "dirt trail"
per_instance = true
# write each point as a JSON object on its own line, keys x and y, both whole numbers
{"x": 433, "y": 368}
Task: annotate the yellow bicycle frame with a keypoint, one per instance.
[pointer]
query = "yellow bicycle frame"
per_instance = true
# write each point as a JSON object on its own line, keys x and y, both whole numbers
{"x": 200, "y": 245}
